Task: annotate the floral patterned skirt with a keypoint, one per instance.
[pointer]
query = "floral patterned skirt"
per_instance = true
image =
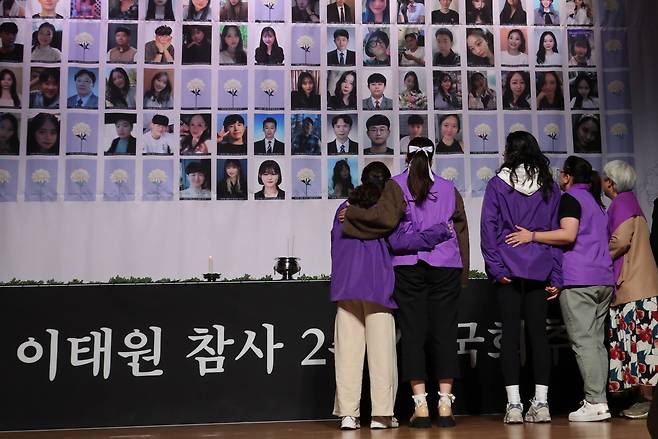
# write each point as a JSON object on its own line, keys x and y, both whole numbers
{"x": 633, "y": 344}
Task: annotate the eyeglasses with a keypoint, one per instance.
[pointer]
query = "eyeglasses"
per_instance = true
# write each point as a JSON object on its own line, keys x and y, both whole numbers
{"x": 378, "y": 130}
{"x": 373, "y": 43}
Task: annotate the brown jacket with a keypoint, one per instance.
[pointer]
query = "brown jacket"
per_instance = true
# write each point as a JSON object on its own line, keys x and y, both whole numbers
{"x": 383, "y": 218}
{"x": 639, "y": 274}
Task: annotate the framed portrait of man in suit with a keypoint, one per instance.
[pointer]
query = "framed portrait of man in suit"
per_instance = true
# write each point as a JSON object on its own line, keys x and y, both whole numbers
{"x": 340, "y": 11}
{"x": 343, "y": 53}
{"x": 269, "y": 139}
{"x": 344, "y": 130}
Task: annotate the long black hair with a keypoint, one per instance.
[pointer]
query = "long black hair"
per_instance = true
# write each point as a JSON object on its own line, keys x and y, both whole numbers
{"x": 522, "y": 149}
{"x": 13, "y": 90}
{"x": 240, "y": 54}
{"x": 582, "y": 172}
{"x": 373, "y": 178}
{"x": 508, "y": 98}
{"x": 583, "y": 76}
{"x": 345, "y": 183}
{"x": 13, "y": 140}
{"x": 168, "y": 13}
{"x": 115, "y": 95}
{"x": 541, "y": 51}
{"x": 419, "y": 162}
{"x": 191, "y": 11}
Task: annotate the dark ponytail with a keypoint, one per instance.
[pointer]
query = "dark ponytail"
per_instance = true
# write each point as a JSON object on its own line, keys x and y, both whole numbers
{"x": 419, "y": 162}
{"x": 582, "y": 172}
{"x": 373, "y": 178}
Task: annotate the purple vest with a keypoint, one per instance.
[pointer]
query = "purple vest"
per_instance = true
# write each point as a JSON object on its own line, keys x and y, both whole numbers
{"x": 438, "y": 207}
{"x": 587, "y": 261}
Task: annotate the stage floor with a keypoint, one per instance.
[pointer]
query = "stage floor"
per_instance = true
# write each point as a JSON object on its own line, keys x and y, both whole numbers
{"x": 489, "y": 427}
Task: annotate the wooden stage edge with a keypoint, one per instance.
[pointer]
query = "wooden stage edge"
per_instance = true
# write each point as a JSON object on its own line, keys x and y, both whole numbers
{"x": 489, "y": 427}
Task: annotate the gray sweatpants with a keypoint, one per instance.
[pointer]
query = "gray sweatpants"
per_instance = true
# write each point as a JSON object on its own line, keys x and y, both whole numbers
{"x": 584, "y": 310}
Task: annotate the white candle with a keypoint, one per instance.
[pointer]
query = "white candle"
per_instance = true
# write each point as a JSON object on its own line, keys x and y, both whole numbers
{"x": 210, "y": 268}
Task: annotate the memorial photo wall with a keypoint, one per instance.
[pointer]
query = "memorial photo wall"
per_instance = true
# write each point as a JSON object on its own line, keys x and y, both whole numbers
{"x": 212, "y": 100}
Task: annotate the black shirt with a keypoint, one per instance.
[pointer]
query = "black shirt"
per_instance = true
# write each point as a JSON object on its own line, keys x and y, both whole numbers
{"x": 569, "y": 207}
{"x": 15, "y": 55}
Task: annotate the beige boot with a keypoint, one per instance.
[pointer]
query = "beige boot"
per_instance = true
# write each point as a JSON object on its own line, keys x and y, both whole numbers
{"x": 446, "y": 418}
{"x": 421, "y": 417}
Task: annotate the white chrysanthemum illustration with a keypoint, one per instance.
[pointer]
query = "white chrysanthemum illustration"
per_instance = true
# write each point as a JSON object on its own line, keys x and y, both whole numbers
{"x": 80, "y": 176}
{"x": 84, "y": 40}
{"x": 305, "y": 43}
{"x": 269, "y": 4}
{"x": 517, "y": 127}
{"x": 196, "y": 86}
{"x": 552, "y": 130}
{"x": 157, "y": 176}
{"x": 613, "y": 45}
{"x": 82, "y": 131}
{"x": 616, "y": 87}
{"x": 269, "y": 87}
{"x": 611, "y": 5}
{"x": 119, "y": 176}
{"x": 5, "y": 176}
{"x": 306, "y": 176}
{"x": 450, "y": 173}
{"x": 232, "y": 87}
{"x": 483, "y": 131}
{"x": 485, "y": 173}
{"x": 41, "y": 176}
{"x": 619, "y": 129}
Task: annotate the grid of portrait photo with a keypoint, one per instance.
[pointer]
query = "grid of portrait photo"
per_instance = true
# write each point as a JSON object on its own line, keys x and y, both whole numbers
{"x": 166, "y": 100}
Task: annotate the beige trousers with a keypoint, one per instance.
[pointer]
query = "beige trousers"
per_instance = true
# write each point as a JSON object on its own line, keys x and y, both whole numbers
{"x": 362, "y": 326}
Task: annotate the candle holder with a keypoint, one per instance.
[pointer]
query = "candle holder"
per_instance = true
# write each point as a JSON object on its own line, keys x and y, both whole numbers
{"x": 287, "y": 266}
{"x": 211, "y": 277}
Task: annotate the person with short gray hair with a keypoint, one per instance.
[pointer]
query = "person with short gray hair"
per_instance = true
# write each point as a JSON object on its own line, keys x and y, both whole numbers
{"x": 632, "y": 312}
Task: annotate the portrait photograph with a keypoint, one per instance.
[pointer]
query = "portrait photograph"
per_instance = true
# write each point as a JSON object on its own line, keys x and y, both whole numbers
{"x": 197, "y": 46}
{"x": 46, "y": 41}
{"x": 380, "y": 134}
{"x": 340, "y": 11}
{"x": 446, "y": 46}
{"x": 232, "y": 134}
{"x": 411, "y": 47}
{"x": 41, "y": 180}
{"x": 374, "y": 91}
{"x": 158, "y": 134}
{"x": 233, "y": 45}
{"x": 118, "y": 135}
{"x": 305, "y": 86}
{"x": 411, "y": 126}
{"x": 340, "y": 43}
{"x": 550, "y": 46}
{"x": 232, "y": 178}
{"x": 11, "y": 86}
{"x": 123, "y": 9}
{"x": 10, "y": 131}
{"x": 269, "y": 134}
{"x": 55, "y": 9}
{"x": 158, "y": 88}
{"x": 195, "y": 179}
{"x": 161, "y": 41}
{"x": 195, "y": 93}
{"x": 305, "y": 42}
{"x": 233, "y": 89}
{"x": 583, "y": 89}
{"x": 84, "y": 44}
{"x": 517, "y": 90}
{"x": 198, "y": 10}
{"x": 269, "y": 44}
{"x": 305, "y": 11}
{"x": 269, "y": 180}
{"x": 306, "y": 178}
{"x": 447, "y": 89}
{"x": 160, "y": 10}
{"x": 13, "y": 36}
{"x": 120, "y": 88}
{"x": 195, "y": 134}
{"x": 581, "y": 47}
{"x": 89, "y": 9}
{"x": 550, "y": 91}
{"x": 579, "y": 12}
{"x": 546, "y": 12}
{"x": 376, "y": 11}
{"x": 482, "y": 90}
{"x": 444, "y": 11}
{"x": 306, "y": 132}
{"x": 122, "y": 43}
{"x": 80, "y": 181}
{"x": 343, "y": 135}
{"x": 341, "y": 89}
{"x": 452, "y": 169}
{"x": 376, "y": 47}
{"x": 119, "y": 179}
{"x": 512, "y": 12}
{"x": 343, "y": 177}
{"x": 479, "y": 47}
{"x": 586, "y": 130}
{"x": 513, "y": 47}
{"x": 83, "y": 88}
{"x": 157, "y": 180}
{"x": 411, "y": 11}
{"x": 14, "y": 9}
{"x": 82, "y": 133}
{"x": 233, "y": 10}
{"x": 479, "y": 12}
{"x": 449, "y": 136}
{"x": 413, "y": 90}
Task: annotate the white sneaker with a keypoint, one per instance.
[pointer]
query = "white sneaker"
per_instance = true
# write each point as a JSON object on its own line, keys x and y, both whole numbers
{"x": 590, "y": 412}
{"x": 350, "y": 423}
{"x": 382, "y": 422}
{"x": 513, "y": 414}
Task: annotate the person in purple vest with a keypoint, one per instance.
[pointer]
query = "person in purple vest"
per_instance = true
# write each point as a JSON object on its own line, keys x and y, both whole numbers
{"x": 526, "y": 277}
{"x": 362, "y": 283}
{"x": 587, "y": 277}
{"x": 633, "y": 320}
